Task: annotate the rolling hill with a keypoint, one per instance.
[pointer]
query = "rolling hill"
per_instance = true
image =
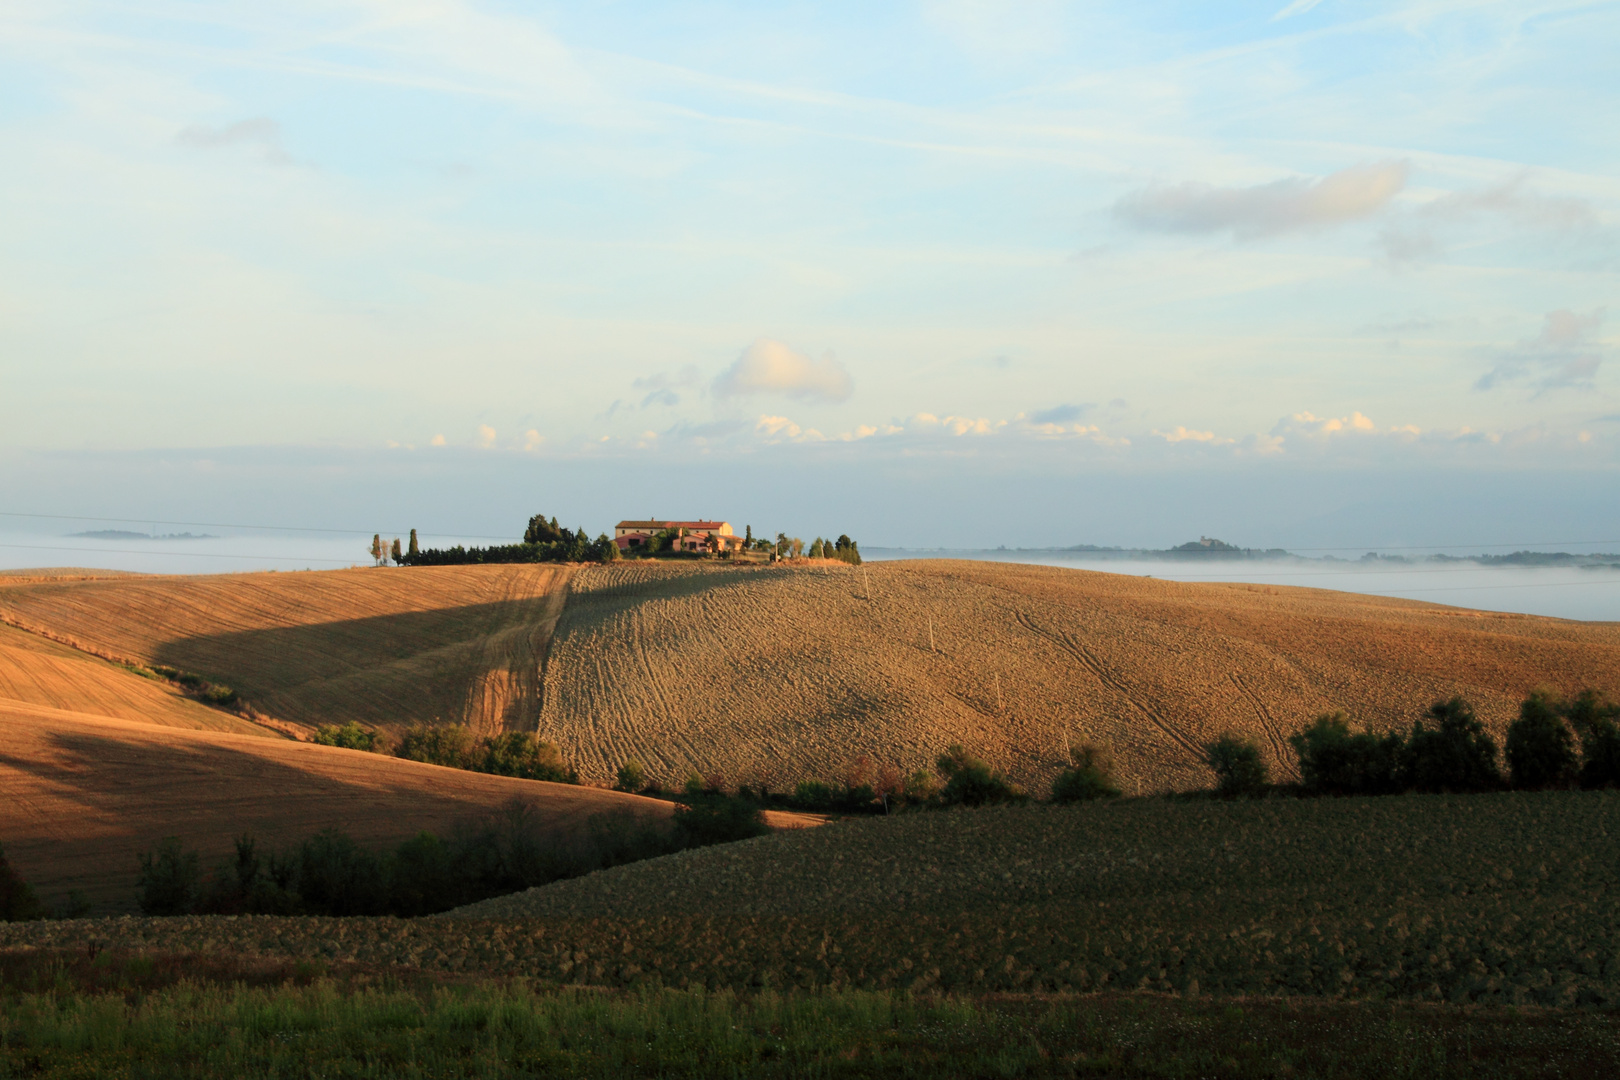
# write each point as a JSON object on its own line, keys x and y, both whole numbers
{"x": 81, "y": 794}
{"x": 784, "y": 672}
{"x": 779, "y": 673}
{"x": 385, "y": 648}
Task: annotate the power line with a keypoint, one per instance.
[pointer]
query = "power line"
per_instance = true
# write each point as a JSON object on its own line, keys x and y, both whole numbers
{"x": 228, "y": 525}
{"x": 182, "y": 554}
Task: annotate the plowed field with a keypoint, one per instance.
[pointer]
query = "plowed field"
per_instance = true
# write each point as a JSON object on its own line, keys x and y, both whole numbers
{"x": 81, "y": 794}
{"x": 782, "y": 673}
{"x": 385, "y": 647}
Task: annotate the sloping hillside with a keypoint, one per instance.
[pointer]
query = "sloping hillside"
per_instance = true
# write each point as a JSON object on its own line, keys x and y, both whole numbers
{"x": 384, "y": 647}
{"x": 785, "y": 672}
{"x": 81, "y": 794}
{"x": 37, "y": 671}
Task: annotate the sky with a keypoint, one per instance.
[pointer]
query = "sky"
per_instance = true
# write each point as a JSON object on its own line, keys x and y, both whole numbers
{"x": 944, "y": 273}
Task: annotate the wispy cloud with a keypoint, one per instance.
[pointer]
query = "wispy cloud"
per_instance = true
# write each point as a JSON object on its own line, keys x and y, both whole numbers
{"x": 770, "y": 367}
{"x": 1298, "y": 7}
{"x": 1567, "y": 353}
{"x": 1425, "y": 231}
{"x": 1283, "y": 206}
{"x": 259, "y": 132}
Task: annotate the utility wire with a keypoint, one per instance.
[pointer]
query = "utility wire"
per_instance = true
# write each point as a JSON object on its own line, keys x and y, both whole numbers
{"x": 227, "y": 525}
{"x": 182, "y": 554}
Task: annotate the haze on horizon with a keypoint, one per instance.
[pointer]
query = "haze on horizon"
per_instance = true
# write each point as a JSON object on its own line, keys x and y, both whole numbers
{"x": 1309, "y": 274}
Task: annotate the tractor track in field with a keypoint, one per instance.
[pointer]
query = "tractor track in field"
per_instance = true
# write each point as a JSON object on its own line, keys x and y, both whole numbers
{"x": 1095, "y": 666}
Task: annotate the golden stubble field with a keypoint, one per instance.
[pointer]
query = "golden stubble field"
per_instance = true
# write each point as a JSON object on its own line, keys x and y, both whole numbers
{"x": 781, "y": 673}
{"x": 387, "y": 648}
{"x": 81, "y": 794}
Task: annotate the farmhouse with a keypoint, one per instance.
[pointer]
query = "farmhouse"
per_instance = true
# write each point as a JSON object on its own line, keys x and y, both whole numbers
{"x": 689, "y": 535}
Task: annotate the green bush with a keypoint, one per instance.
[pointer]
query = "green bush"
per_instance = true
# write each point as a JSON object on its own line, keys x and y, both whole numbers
{"x": 437, "y": 744}
{"x": 1456, "y": 756}
{"x": 17, "y": 901}
{"x": 350, "y": 736}
{"x": 708, "y": 817}
{"x": 170, "y": 879}
{"x": 631, "y": 778}
{"x": 336, "y": 876}
{"x": 1335, "y": 761}
{"x": 972, "y": 782}
{"x": 1091, "y": 776}
{"x": 1240, "y": 771}
{"x": 1540, "y": 749}
{"x": 1594, "y": 719}
{"x": 523, "y": 754}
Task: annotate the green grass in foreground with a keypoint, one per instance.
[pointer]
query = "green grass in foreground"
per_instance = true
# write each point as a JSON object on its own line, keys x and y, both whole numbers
{"x": 139, "y": 1015}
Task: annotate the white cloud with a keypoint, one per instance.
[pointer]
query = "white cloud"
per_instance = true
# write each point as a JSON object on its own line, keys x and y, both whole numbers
{"x": 770, "y": 367}
{"x": 437, "y": 440}
{"x": 486, "y": 436}
{"x": 1185, "y": 434}
{"x": 1567, "y": 353}
{"x": 1423, "y": 232}
{"x": 532, "y": 439}
{"x": 773, "y": 427}
{"x": 1268, "y": 209}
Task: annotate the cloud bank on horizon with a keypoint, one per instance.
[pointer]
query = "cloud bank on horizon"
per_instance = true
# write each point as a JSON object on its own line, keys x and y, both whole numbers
{"x": 1054, "y": 236}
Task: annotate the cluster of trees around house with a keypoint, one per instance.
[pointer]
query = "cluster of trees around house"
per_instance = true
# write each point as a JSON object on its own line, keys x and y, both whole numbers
{"x": 1556, "y": 742}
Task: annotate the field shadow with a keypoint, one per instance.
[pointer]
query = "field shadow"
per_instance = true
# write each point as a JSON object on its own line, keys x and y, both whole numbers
{"x": 478, "y": 664}
{"x": 84, "y": 804}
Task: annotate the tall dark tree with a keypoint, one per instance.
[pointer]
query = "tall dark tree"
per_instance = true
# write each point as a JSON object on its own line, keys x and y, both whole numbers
{"x": 396, "y": 554}
{"x": 1455, "y": 755}
{"x": 541, "y": 531}
{"x": 413, "y": 550}
{"x": 1540, "y": 749}
{"x": 376, "y": 549}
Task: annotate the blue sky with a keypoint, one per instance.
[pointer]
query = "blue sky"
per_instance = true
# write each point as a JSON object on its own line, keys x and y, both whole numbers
{"x": 1306, "y": 270}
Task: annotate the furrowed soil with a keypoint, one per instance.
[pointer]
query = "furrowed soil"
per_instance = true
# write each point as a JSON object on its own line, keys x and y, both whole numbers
{"x": 781, "y": 673}
{"x": 80, "y": 795}
{"x": 1510, "y": 899}
{"x": 382, "y": 647}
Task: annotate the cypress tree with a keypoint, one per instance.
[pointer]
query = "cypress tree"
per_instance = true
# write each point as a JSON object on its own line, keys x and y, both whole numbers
{"x": 376, "y": 549}
{"x": 396, "y": 554}
{"x": 413, "y": 550}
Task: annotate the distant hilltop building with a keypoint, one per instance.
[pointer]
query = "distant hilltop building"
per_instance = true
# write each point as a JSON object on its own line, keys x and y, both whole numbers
{"x": 689, "y": 535}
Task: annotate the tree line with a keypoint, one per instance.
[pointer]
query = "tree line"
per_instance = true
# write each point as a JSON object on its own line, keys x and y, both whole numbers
{"x": 543, "y": 541}
{"x": 1556, "y": 743}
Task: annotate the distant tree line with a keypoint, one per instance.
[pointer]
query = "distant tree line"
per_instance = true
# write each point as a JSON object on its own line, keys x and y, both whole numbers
{"x": 1556, "y": 743}
{"x": 543, "y": 541}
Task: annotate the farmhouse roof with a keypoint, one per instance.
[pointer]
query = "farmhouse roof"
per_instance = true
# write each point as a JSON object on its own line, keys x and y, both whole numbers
{"x": 669, "y": 524}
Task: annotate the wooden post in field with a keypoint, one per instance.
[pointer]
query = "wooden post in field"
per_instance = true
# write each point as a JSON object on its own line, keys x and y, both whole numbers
{"x": 931, "y": 634}
{"x": 999, "y": 706}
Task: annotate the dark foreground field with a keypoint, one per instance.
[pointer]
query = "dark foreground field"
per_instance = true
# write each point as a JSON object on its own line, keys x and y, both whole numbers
{"x": 121, "y": 1014}
{"x": 1398, "y": 936}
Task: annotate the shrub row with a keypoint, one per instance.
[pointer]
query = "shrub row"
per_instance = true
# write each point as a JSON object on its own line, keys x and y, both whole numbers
{"x": 1446, "y": 750}
{"x": 331, "y": 874}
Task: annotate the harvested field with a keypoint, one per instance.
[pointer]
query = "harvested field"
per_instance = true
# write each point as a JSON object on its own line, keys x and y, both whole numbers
{"x": 783, "y": 673}
{"x": 387, "y": 648}
{"x": 37, "y": 671}
{"x": 81, "y": 794}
